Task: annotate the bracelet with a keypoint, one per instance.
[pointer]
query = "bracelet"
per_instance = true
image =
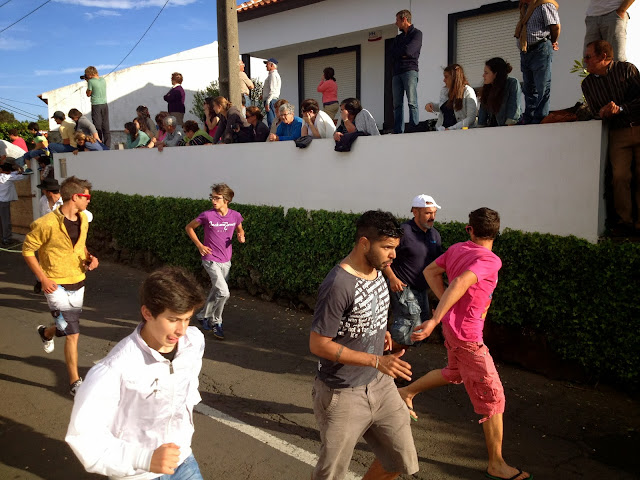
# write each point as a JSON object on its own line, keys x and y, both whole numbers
{"x": 377, "y": 361}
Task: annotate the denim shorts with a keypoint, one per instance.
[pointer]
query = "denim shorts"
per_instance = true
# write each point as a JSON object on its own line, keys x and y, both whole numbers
{"x": 187, "y": 470}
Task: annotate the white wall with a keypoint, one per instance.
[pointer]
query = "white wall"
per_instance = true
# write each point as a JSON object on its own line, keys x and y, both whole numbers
{"x": 146, "y": 84}
{"x": 321, "y": 25}
{"x": 542, "y": 178}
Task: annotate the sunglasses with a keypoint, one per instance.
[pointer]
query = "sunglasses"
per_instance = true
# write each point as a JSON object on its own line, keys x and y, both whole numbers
{"x": 85, "y": 195}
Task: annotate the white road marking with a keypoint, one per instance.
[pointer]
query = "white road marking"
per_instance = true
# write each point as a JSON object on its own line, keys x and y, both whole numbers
{"x": 264, "y": 437}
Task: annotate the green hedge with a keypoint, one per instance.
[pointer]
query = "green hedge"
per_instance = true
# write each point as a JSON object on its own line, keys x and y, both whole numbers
{"x": 585, "y": 298}
{"x": 22, "y": 132}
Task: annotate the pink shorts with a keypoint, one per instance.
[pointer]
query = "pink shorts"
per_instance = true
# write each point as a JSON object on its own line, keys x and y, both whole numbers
{"x": 471, "y": 363}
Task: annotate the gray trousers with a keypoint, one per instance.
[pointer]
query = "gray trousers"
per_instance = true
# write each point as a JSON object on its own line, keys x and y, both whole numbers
{"x": 219, "y": 294}
{"x": 609, "y": 27}
{"x": 5, "y": 220}
{"x": 100, "y": 118}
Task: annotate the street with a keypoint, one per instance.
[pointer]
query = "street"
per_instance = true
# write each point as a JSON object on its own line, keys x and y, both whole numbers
{"x": 256, "y": 420}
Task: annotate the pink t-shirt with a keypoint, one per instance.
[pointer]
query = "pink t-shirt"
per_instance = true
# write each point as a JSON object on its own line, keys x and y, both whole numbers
{"x": 466, "y": 318}
{"x": 329, "y": 90}
{"x": 19, "y": 142}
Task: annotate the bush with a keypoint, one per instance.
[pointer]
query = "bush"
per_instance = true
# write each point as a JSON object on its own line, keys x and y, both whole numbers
{"x": 22, "y": 131}
{"x": 583, "y": 297}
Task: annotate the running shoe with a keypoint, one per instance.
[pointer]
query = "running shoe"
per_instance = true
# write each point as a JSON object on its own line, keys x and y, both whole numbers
{"x": 205, "y": 324}
{"x": 27, "y": 171}
{"x": 217, "y": 331}
{"x": 74, "y": 387}
{"x": 48, "y": 343}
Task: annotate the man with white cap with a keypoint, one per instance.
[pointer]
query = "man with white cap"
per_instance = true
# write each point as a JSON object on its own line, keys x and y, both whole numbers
{"x": 419, "y": 246}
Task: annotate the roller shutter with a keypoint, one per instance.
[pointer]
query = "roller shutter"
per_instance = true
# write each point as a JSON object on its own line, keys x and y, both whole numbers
{"x": 344, "y": 65}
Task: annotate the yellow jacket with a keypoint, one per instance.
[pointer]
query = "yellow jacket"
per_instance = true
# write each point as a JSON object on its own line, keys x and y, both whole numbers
{"x": 60, "y": 260}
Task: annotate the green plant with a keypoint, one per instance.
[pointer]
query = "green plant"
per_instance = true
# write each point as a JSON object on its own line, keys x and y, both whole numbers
{"x": 584, "y": 298}
{"x": 213, "y": 90}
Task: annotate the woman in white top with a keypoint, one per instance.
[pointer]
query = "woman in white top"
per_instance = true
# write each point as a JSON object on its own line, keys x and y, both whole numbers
{"x": 317, "y": 123}
{"x": 458, "y": 106}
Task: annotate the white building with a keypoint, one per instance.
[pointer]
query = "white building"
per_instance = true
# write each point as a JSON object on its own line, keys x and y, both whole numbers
{"x": 352, "y": 37}
{"x": 146, "y": 84}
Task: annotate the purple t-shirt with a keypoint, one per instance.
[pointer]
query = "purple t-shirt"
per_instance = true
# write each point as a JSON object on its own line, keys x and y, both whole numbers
{"x": 466, "y": 318}
{"x": 218, "y": 231}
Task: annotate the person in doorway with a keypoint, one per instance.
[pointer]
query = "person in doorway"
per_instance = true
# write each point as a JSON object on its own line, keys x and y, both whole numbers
{"x": 472, "y": 270}
{"x": 133, "y": 415}
{"x": 219, "y": 224}
{"x": 59, "y": 239}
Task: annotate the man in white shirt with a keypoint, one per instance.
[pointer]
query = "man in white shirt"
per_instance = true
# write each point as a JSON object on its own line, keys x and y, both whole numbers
{"x": 271, "y": 89}
{"x": 9, "y": 151}
{"x": 607, "y": 20}
{"x": 8, "y": 194}
{"x": 51, "y": 198}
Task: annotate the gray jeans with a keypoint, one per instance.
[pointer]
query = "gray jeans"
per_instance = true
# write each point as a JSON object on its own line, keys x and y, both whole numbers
{"x": 219, "y": 294}
{"x": 609, "y": 27}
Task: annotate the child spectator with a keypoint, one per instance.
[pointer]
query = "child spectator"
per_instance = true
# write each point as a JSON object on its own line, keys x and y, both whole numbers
{"x": 86, "y": 143}
{"x": 219, "y": 223}
{"x": 8, "y": 194}
{"x": 42, "y": 148}
{"x": 97, "y": 91}
{"x": 17, "y": 140}
{"x": 46, "y": 169}
{"x": 132, "y": 416}
{"x": 175, "y": 98}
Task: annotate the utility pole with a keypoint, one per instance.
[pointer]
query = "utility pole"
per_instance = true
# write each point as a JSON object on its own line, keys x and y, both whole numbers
{"x": 228, "y": 51}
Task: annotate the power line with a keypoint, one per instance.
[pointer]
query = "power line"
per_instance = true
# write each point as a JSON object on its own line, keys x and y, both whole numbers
{"x": 13, "y": 110}
{"x": 20, "y": 19}
{"x": 4, "y": 3}
{"x": 26, "y": 103}
{"x": 138, "y": 42}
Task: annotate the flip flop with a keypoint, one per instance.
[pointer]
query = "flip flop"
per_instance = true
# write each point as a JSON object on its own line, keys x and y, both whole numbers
{"x": 412, "y": 414}
{"x": 492, "y": 477}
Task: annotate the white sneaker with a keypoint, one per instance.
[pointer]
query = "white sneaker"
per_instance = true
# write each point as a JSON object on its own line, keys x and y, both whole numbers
{"x": 47, "y": 343}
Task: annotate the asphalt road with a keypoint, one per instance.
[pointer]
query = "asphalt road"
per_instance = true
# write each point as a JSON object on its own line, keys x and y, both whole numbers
{"x": 256, "y": 419}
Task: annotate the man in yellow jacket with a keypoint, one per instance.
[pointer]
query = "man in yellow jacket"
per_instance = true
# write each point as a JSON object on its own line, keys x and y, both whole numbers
{"x": 59, "y": 238}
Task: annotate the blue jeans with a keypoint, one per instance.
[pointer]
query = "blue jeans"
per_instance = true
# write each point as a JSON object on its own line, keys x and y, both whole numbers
{"x": 401, "y": 83}
{"x": 271, "y": 114}
{"x": 29, "y": 155}
{"x": 219, "y": 294}
{"x": 187, "y": 470}
{"x": 410, "y": 308}
{"x": 247, "y": 100}
{"x": 60, "y": 148}
{"x": 536, "y": 76}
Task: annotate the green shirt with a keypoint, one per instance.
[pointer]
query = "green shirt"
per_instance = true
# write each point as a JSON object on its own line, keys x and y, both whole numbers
{"x": 140, "y": 141}
{"x": 98, "y": 87}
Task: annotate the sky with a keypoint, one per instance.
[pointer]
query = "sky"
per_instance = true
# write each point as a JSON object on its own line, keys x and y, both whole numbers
{"x": 52, "y": 47}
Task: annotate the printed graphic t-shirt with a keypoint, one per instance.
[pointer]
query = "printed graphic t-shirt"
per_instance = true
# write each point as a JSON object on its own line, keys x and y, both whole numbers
{"x": 466, "y": 318}
{"x": 218, "y": 232}
{"x": 353, "y": 312}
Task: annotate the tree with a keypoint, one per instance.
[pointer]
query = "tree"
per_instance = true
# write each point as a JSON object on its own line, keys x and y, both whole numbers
{"x": 43, "y": 123}
{"x": 7, "y": 117}
{"x": 198, "y": 99}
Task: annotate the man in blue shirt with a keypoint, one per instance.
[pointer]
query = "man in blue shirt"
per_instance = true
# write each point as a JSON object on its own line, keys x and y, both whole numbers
{"x": 405, "y": 52}
{"x": 419, "y": 246}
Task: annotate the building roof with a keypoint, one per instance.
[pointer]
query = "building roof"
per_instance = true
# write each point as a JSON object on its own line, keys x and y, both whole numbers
{"x": 260, "y": 8}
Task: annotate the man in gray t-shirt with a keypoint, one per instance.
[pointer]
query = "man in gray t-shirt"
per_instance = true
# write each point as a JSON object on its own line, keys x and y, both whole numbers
{"x": 355, "y": 380}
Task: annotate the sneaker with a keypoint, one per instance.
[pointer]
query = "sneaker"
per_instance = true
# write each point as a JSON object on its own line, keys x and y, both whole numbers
{"x": 48, "y": 343}
{"x": 205, "y": 324}
{"x": 73, "y": 388}
{"x": 217, "y": 331}
{"x": 37, "y": 288}
{"x": 27, "y": 171}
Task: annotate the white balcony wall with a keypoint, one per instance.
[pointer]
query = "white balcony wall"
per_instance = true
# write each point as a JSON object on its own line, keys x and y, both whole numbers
{"x": 543, "y": 178}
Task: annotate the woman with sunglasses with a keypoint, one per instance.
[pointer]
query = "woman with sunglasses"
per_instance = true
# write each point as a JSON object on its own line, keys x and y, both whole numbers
{"x": 260, "y": 129}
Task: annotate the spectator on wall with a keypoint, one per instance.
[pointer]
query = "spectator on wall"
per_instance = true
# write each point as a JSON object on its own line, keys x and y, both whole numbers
{"x": 211, "y": 118}
{"x": 234, "y": 126}
{"x": 274, "y": 126}
{"x": 175, "y": 98}
{"x": 17, "y": 140}
{"x": 145, "y": 123}
{"x": 260, "y": 130}
{"x": 328, "y": 86}
{"x": 136, "y": 138}
{"x": 290, "y": 127}
{"x": 83, "y": 124}
{"x": 355, "y": 118}
{"x": 194, "y": 135}
{"x": 500, "y": 101}
{"x": 458, "y": 105}
{"x": 316, "y": 122}
{"x": 174, "y": 133}
{"x": 607, "y": 20}
{"x": 160, "y": 123}
{"x": 86, "y": 143}
{"x": 97, "y": 91}
{"x": 67, "y": 131}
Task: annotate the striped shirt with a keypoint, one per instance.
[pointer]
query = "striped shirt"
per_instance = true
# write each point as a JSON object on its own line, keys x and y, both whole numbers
{"x": 539, "y": 22}
{"x": 620, "y": 85}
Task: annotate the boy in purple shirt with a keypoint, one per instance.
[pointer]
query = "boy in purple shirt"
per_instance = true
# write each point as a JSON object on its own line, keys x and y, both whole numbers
{"x": 219, "y": 223}
{"x": 472, "y": 269}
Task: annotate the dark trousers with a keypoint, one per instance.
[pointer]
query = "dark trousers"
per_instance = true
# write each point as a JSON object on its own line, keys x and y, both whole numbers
{"x": 100, "y": 118}
{"x": 5, "y": 220}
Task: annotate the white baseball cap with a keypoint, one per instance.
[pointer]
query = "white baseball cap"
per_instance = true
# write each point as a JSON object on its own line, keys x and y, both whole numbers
{"x": 424, "y": 201}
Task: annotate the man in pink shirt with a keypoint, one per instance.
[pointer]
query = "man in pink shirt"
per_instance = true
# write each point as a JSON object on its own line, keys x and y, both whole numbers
{"x": 17, "y": 140}
{"x": 472, "y": 270}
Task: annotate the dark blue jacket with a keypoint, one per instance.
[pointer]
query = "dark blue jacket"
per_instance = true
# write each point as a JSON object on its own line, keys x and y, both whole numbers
{"x": 405, "y": 50}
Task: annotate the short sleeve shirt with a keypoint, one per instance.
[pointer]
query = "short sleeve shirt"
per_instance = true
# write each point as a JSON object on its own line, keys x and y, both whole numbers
{"x": 466, "y": 318}
{"x": 98, "y": 87}
{"x": 218, "y": 232}
{"x": 417, "y": 249}
{"x": 353, "y": 312}
{"x": 10, "y": 150}
{"x": 68, "y": 131}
